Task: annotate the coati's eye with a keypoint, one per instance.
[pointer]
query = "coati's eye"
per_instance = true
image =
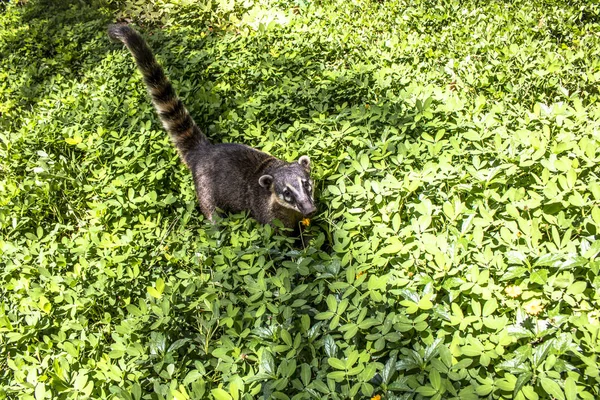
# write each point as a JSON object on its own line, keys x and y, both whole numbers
{"x": 306, "y": 185}
{"x": 287, "y": 195}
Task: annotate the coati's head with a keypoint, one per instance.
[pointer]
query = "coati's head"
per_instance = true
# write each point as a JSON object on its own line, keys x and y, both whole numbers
{"x": 291, "y": 186}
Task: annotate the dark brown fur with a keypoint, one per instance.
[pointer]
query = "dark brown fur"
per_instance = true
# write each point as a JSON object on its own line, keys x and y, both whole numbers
{"x": 231, "y": 177}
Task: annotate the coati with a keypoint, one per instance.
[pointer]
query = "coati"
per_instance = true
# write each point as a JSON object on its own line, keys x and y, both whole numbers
{"x": 227, "y": 176}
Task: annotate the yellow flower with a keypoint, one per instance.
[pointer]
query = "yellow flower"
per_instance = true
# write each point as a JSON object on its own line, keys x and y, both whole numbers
{"x": 534, "y": 307}
{"x": 376, "y": 397}
{"x": 361, "y": 273}
{"x": 513, "y": 291}
{"x": 305, "y": 221}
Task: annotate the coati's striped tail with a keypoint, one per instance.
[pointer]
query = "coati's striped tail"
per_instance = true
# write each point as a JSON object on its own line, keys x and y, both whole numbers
{"x": 173, "y": 114}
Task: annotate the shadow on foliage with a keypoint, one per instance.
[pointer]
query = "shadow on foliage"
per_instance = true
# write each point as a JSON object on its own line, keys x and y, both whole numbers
{"x": 56, "y": 37}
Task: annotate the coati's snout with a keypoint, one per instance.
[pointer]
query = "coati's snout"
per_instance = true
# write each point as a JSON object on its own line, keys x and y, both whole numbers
{"x": 306, "y": 207}
{"x": 292, "y": 187}
{"x": 307, "y": 210}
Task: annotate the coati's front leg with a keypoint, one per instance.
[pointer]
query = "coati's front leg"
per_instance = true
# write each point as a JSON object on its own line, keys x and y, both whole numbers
{"x": 207, "y": 206}
{"x": 206, "y": 199}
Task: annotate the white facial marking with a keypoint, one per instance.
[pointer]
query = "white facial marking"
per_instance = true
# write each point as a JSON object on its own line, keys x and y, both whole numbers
{"x": 281, "y": 201}
{"x": 309, "y": 188}
{"x": 292, "y": 189}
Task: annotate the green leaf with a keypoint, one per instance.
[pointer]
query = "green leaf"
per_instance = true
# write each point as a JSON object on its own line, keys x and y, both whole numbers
{"x": 335, "y": 321}
{"x": 540, "y": 277}
{"x": 426, "y": 390}
{"x": 355, "y": 370}
{"x": 394, "y": 248}
{"x": 305, "y": 374}
{"x": 552, "y": 388}
{"x": 234, "y": 389}
{"x": 160, "y": 285}
{"x": 40, "y": 391}
{"x": 337, "y": 376}
{"x": 425, "y": 304}
{"x": 286, "y": 337}
{"x": 305, "y": 322}
{"x": 220, "y": 394}
{"x": 476, "y": 307}
{"x": 389, "y": 369}
{"x": 192, "y": 376}
{"x": 577, "y": 288}
{"x": 267, "y": 364}
{"x": 351, "y": 332}
{"x": 435, "y": 379}
{"x": 336, "y": 363}
{"x": 153, "y": 292}
{"x": 484, "y": 390}
{"x": 489, "y": 307}
{"x": 74, "y": 141}
{"x": 136, "y": 391}
{"x": 320, "y": 386}
{"x": 178, "y": 344}
{"x": 330, "y": 346}
{"x": 332, "y": 303}
{"x": 325, "y": 315}
{"x": 522, "y": 379}
{"x": 570, "y": 389}
{"x": 400, "y": 384}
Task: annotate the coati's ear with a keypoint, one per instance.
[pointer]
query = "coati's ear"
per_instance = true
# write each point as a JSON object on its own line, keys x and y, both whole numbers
{"x": 305, "y": 162}
{"x": 265, "y": 181}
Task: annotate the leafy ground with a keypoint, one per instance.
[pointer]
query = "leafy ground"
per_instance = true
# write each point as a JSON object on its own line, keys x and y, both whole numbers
{"x": 455, "y": 255}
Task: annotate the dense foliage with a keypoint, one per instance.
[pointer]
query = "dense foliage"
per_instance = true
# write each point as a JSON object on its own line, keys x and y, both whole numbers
{"x": 455, "y": 255}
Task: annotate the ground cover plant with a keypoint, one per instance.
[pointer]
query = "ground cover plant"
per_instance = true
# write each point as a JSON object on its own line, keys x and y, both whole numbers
{"x": 455, "y": 150}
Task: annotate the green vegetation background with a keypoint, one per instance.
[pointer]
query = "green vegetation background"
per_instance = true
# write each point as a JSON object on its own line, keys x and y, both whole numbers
{"x": 456, "y": 152}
